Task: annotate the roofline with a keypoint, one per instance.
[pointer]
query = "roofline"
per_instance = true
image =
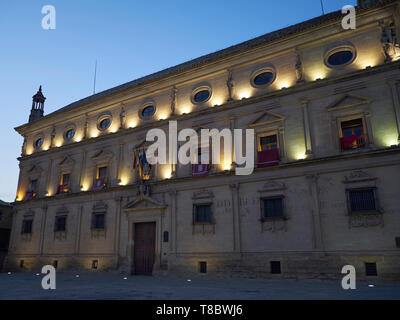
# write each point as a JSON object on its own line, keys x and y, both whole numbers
{"x": 263, "y": 39}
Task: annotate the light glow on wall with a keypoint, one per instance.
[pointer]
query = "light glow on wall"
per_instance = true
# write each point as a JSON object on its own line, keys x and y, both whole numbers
{"x": 186, "y": 109}
{"x": 94, "y": 134}
{"x": 167, "y": 173}
{"x": 124, "y": 180}
{"x": 132, "y": 124}
{"x": 245, "y": 93}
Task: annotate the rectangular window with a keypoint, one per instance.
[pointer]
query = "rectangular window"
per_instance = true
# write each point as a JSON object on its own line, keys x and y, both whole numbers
{"x": 98, "y": 221}
{"x": 65, "y": 179}
{"x": 268, "y": 151}
{"x": 55, "y": 264}
{"x": 362, "y": 200}
{"x": 95, "y": 264}
{"x": 202, "y": 213}
{"x": 21, "y": 264}
{"x": 102, "y": 173}
{"x": 370, "y": 269}
{"x": 203, "y": 267}
{"x": 34, "y": 185}
{"x": 268, "y": 143}
{"x": 60, "y": 223}
{"x": 27, "y": 226}
{"x": 272, "y": 207}
{"x": 352, "y": 134}
{"x": 275, "y": 267}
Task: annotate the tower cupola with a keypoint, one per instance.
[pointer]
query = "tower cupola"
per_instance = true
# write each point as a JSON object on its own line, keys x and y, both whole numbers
{"x": 37, "y": 110}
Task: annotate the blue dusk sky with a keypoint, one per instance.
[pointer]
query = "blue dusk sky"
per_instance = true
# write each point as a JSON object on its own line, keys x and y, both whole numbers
{"x": 129, "y": 39}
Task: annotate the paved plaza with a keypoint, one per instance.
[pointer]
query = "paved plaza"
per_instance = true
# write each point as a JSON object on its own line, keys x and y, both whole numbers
{"x": 114, "y": 286}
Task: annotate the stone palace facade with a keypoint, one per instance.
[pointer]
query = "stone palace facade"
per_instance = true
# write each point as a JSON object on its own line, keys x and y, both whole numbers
{"x": 324, "y": 105}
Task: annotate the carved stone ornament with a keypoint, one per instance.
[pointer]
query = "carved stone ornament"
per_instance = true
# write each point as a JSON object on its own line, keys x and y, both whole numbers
{"x": 366, "y": 220}
{"x": 274, "y": 225}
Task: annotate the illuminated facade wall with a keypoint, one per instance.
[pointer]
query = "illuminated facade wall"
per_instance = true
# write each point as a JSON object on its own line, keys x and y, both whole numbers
{"x": 305, "y": 105}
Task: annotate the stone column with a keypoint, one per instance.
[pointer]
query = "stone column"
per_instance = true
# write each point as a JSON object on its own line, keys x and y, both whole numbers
{"x": 306, "y": 126}
{"x": 117, "y": 230}
{"x": 396, "y": 104}
{"x": 315, "y": 212}
{"x": 78, "y": 231}
{"x": 43, "y": 229}
{"x": 173, "y": 222}
{"x": 237, "y": 243}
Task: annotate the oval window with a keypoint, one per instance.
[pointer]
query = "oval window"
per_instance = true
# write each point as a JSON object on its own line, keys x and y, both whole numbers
{"x": 148, "y": 111}
{"x": 70, "y": 134}
{"x": 104, "y": 124}
{"x": 340, "y": 58}
{"x": 263, "y": 78}
{"x": 39, "y": 142}
{"x": 202, "y": 96}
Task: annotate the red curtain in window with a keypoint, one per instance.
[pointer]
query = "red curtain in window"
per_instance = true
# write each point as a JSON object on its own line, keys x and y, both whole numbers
{"x": 348, "y": 142}
{"x": 268, "y": 158}
{"x": 200, "y": 170}
{"x": 61, "y": 188}
{"x": 99, "y": 184}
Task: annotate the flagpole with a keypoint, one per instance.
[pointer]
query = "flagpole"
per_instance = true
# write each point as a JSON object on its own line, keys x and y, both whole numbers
{"x": 322, "y": 7}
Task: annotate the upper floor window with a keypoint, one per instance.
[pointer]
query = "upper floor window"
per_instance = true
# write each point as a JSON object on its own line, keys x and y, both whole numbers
{"x": 268, "y": 151}
{"x": 104, "y": 124}
{"x": 268, "y": 142}
{"x": 352, "y": 134}
{"x": 64, "y": 183}
{"x": 1, "y": 215}
{"x": 148, "y": 111}
{"x": 263, "y": 78}
{"x": 202, "y": 96}
{"x": 39, "y": 143}
{"x": 272, "y": 207}
{"x": 69, "y": 134}
{"x": 202, "y": 213}
{"x": 101, "y": 179}
{"x": 340, "y": 56}
{"x": 102, "y": 173}
{"x": 362, "y": 200}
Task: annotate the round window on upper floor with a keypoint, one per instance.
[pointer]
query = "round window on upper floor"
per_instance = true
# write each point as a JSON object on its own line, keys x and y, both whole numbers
{"x": 201, "y": 94}
{"x": 263, "y": 78}
{"x": 104, "y": 124}
{"x": 339, "y": 57}
{"x": 69, "y": 134}
{"x": 38, "y": 143}
{"x": 148, "y": 111}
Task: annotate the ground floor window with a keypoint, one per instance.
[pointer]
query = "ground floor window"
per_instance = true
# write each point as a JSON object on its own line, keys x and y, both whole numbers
{"x": 272, "y": 207}
{"x": 202, "y": 213}
{"x": 60, "y": 223}
{"x": 362, "y": 200}
{"x": 98, "y": 221}
{"x": 27, "y": 226}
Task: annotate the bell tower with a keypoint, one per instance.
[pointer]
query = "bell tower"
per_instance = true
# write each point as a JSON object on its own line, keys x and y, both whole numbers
{"x": 37, "y": 106}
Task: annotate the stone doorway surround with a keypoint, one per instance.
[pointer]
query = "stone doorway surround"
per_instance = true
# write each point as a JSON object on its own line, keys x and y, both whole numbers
{"x": 144, "y": 209}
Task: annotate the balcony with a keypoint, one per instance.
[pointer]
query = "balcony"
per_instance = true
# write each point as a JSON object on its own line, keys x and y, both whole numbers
{"x": 29, "y": 195}
{"x": 63, "y": 188}
{"x": 353, "y": 142}
{"x": 99, "y": 184}
{"x": 200, "y": 170}
{"x": 268, "y": 158}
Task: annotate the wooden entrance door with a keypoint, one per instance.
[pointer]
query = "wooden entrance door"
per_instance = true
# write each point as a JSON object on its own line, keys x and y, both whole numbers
{"x": 144, "y": 250}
